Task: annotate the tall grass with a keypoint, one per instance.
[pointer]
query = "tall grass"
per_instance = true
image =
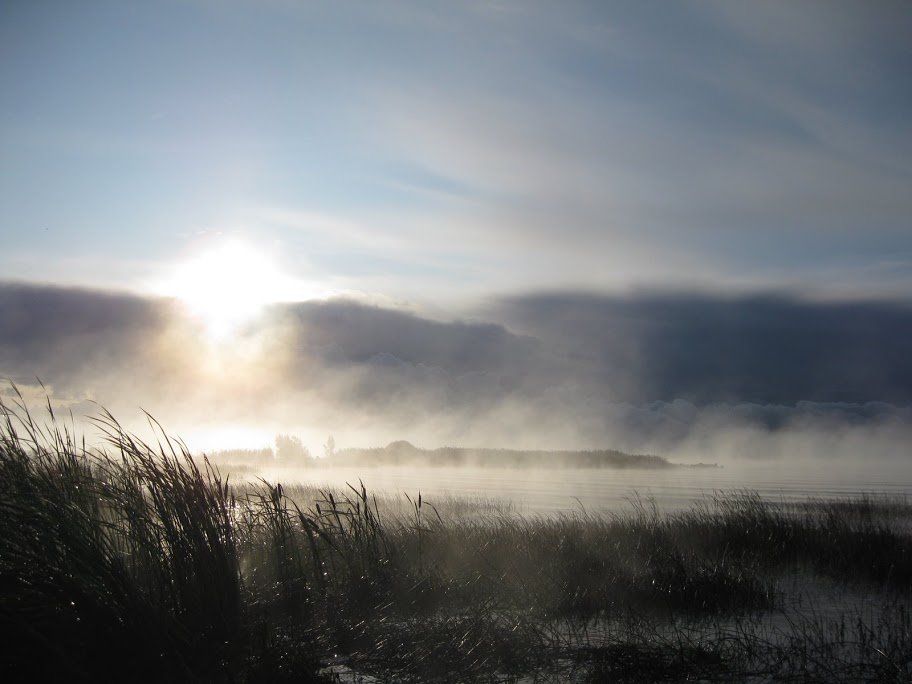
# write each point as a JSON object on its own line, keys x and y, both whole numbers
{"x": 137, "y": 562}
{"x": 121, "y": 562}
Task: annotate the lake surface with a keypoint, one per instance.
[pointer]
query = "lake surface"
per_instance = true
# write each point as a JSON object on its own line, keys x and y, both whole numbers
{"x": 604, "y": 489}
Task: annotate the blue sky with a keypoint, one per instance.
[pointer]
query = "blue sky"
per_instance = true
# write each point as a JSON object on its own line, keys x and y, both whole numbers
{"x": 445, "y": 152}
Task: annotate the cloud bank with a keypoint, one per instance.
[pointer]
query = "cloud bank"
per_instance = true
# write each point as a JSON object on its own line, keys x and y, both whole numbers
{"x": 669, "y": 373}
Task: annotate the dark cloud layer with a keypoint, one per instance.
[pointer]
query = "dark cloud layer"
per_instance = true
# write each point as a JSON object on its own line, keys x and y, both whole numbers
{"x": 560, "y": 370}
{"x": 345, "y": 332}
{"x": 762, "y": 349}
{"x": 63, "y": 333}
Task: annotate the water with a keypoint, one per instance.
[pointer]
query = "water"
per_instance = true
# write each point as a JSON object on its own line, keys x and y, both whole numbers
{"x": 604, "y": 489}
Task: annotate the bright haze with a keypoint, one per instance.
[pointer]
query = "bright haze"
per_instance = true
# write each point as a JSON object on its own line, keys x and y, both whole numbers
{"x": 671, "y": 227}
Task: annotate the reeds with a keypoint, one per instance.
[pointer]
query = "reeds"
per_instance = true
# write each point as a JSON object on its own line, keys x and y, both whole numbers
{"x": 136, "y": 562}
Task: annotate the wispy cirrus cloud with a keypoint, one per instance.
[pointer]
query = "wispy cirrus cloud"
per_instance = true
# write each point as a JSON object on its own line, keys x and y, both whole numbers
{"x": 507, "y": 146}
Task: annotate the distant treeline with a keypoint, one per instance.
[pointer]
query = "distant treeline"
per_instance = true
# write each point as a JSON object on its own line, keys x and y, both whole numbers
{"x": 403, "y": 453}
{"x": 288, "y": 451}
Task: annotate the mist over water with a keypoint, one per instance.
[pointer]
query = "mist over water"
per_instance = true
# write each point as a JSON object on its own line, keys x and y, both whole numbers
{"x": 599, "y": 490}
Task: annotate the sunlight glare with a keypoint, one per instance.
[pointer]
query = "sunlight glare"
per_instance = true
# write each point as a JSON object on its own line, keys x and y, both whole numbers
{"x": 212, "y": 438}
{"x": 230, "y": 285}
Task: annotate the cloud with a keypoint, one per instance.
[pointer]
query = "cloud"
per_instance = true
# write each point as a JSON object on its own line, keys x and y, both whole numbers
{"x": 645, "y": 371}
{"x": 762, "y": 348}
{"x": 682, "y": 374}
{"x": 676, "y": 144}
{"x": 464, "y": 148}
{"x": 62, "y": 333}
{"x": 123, "y": 350}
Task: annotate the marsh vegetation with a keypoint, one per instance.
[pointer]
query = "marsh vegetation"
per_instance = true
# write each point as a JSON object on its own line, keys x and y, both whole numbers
{"x": 137, "y": 562}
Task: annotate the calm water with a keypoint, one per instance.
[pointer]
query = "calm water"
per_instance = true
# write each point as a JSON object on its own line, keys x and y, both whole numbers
{"x": 549, "y": 491}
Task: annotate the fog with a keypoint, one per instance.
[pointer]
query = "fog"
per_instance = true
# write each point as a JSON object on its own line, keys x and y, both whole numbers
{"x": 689, "y": 377}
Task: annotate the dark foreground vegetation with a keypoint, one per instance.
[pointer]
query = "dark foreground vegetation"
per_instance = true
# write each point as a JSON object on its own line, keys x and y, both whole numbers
{"x": 138, "y": 564}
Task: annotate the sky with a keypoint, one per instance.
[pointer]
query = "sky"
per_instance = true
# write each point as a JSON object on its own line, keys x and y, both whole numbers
{"x": 583, "y": 210}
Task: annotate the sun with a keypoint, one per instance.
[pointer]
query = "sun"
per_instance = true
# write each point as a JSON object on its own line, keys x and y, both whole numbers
{"x": 228, "y": 286}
